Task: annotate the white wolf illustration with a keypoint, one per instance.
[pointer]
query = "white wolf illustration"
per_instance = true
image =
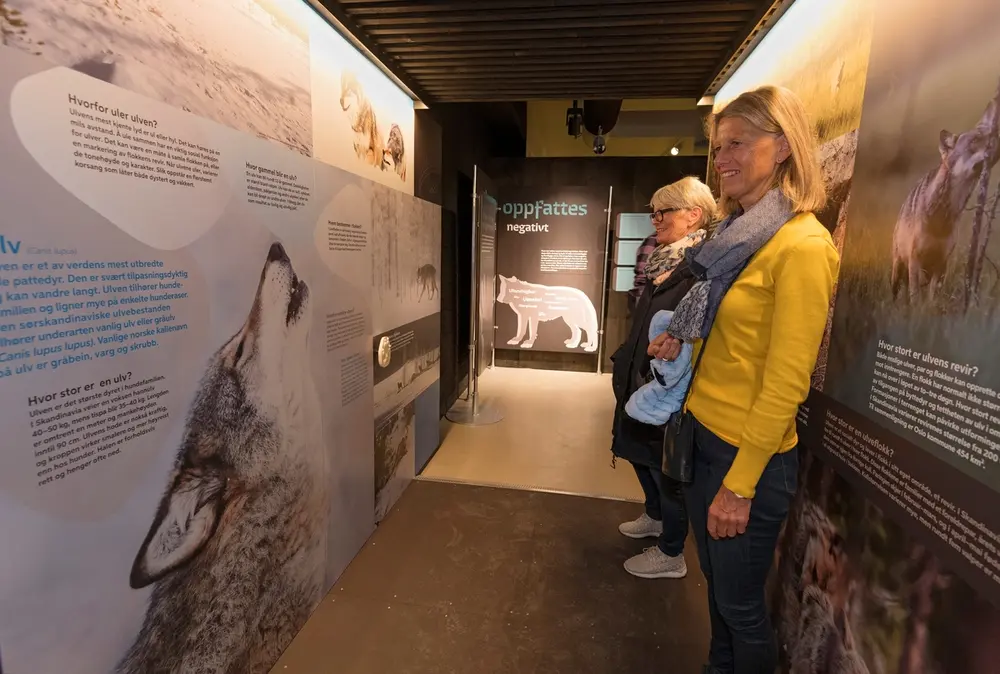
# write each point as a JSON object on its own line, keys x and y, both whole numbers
{"x": 237, "y": 550}
{"x": 534, "y": 304}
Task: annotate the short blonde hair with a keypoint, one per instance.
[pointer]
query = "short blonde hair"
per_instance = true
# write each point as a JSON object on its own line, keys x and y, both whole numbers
{"x": 778, "y": 111}
{"x": 687, "y": 193}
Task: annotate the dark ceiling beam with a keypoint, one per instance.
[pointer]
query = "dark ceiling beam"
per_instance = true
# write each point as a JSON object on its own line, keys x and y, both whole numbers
{"x": 671, "y": 11}
{"x": 546, "y": 38}
{"x": 415, "y": 63}
{"x": 511, "y": 29}
{"x": 607, "y": 77}
{"x": 580, "y": 90}
{"x": 367, "y": 8}
{"x": 581, "y": 66}
{"x": 753, "y": 24}
{"x": 337, "y": 11}
{"x": 513, "y": 92}
{"x": 503, "y": 97}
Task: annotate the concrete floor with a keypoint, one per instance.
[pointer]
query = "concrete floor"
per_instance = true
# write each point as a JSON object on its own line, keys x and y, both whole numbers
{"x": 555, "y": 436}
{"x": 461, "y": 579}
{"x": 475, "y": 570}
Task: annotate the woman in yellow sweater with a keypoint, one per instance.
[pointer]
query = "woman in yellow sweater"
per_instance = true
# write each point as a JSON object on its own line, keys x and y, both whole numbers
{"x": 758, "y": 311}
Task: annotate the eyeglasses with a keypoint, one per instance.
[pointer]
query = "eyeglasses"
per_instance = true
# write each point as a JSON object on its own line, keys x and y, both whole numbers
{"x": 657, "y": 216}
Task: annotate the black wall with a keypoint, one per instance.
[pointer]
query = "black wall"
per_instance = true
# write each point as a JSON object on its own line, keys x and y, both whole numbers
{"x": 450, "y": 141}
{"x": 634, "y": 179}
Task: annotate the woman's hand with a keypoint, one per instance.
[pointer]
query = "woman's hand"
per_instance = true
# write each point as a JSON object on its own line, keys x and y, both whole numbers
{"x": 728, "y": 515}
{"x": 664, "y": 347}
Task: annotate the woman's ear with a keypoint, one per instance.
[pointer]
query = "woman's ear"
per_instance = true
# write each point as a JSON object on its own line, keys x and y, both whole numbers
{"x": 784, "y": 149}
{"x": 696, "y": 215}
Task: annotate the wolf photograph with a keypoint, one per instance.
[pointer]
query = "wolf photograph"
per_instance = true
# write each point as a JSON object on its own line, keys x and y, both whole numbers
{"x": 236, "y": 550}
{"x": 854, "y": 594}
{"x": 242, "y": 63}
{"x": 406, "y": 256}
{"x": 394, "y": 447}
{"x": 363, "y": 122}
{"x": 920, "y": 261}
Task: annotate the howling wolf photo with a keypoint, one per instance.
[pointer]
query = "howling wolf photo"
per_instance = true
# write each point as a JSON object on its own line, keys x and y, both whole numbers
{"x": 236, "y": 551}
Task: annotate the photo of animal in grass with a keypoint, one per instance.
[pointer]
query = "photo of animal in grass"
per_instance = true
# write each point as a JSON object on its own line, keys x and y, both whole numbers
{"x": 819, "y": 50}
{"x": 919, "y": 266}
{"x": 854, "y": 594}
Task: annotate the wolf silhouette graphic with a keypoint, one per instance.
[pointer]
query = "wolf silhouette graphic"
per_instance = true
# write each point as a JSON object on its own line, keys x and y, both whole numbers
{"x": 534, "y": 303}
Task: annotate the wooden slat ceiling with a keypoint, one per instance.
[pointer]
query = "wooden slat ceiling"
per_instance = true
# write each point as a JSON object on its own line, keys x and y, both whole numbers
{"x": 460, "y": 51}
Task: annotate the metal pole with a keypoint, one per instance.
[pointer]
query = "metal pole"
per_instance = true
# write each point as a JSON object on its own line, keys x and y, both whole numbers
{"x": 604, "y": 284}
{"x": 474, "y": 304}
{"x": 472, "y": 412}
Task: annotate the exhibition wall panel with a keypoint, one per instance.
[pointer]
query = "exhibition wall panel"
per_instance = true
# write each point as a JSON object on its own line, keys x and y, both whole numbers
{"x": 204, "y": 205}
{"x": 888, "y": 561}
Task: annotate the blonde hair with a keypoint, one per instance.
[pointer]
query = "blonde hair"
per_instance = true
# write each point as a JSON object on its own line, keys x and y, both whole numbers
{"x": 687, "y": 193}
{"x": 778, "y": 111}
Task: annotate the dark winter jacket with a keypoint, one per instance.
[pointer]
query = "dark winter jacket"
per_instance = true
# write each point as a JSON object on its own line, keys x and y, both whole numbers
{"x": 632, "y": 440}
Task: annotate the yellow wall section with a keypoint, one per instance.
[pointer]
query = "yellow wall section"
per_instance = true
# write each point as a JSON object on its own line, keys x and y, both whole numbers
{"x": 547, "y": 136}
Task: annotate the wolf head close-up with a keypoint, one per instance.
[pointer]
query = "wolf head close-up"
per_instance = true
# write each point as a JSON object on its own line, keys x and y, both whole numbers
{"x": 236, "y": 550}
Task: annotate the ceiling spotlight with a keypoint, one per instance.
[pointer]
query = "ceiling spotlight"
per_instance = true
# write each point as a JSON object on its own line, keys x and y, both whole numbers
{"x": 674, "y": 151}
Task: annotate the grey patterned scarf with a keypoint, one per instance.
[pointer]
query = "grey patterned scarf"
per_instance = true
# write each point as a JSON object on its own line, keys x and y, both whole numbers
{"x": 664, "y": 259}
{"x": 720, "y": 260}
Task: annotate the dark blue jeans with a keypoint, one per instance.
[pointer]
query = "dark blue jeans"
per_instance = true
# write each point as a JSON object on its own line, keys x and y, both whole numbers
{"x": 665, "y": 503}
{"x": 743, "y": 641}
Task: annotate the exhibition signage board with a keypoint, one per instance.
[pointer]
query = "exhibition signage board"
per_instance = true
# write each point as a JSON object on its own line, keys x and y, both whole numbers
{"x": 194, "y": 256}
{"x": 550, "y": 268}
{"x": 909, "y": 407}
{"x": 888, "y": 559}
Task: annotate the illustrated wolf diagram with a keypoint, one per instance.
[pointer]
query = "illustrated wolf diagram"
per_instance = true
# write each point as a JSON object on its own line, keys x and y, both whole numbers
{"x": 236, "y": 553}
{"x": 368, "y": 140}
{"x": 926, "y": 230}
{"x": 534, "y": 303}
{"x": 427, "y": 281}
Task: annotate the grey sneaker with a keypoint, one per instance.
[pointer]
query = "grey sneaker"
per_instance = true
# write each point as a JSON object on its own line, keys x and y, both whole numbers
{"x": 653, "y": 563}
{"x": 644, "y": 527}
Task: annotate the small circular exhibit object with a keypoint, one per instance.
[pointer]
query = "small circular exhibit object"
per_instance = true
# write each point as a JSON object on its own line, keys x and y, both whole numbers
{"x": 384, "y": 352}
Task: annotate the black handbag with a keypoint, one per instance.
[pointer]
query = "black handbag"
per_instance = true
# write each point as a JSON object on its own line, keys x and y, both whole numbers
{"x": 678, "y": 440}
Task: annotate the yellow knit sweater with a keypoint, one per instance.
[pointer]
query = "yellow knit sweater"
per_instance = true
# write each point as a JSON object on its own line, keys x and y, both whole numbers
{"x": 763, "y": 348}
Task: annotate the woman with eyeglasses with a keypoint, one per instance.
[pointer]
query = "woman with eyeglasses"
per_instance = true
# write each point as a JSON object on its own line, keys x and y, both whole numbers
{"x": 682, "y": 215}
